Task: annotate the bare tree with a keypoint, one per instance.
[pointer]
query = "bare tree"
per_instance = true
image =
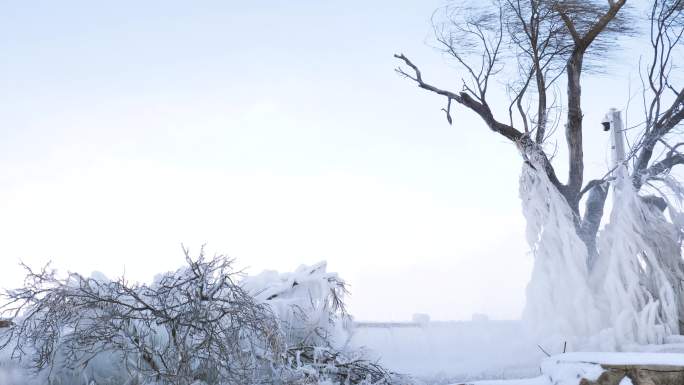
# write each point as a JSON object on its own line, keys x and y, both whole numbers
{"x": 546, "y": 39}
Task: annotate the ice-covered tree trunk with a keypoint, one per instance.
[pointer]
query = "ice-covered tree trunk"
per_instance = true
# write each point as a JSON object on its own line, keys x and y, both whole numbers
{"x": 633, "y": 292}
{"x": 630, "y": 282}
{"x": 559, "y": 299}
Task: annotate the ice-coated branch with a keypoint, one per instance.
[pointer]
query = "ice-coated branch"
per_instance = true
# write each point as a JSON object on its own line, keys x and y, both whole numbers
{"x": 663, "y": 166}
{"x": 195, "y": 325}
{"x": 593, "y": 213}
{"x": 192, "y": 323}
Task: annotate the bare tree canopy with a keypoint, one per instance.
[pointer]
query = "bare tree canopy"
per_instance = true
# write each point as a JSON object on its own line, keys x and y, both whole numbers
{"x": 549, "y": 39}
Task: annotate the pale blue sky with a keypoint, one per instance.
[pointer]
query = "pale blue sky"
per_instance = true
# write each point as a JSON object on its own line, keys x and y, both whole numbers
{"x": 274, "y": 131}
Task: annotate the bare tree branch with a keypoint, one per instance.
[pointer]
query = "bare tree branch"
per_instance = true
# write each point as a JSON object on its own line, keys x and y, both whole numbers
{"x": 463, "y": 98}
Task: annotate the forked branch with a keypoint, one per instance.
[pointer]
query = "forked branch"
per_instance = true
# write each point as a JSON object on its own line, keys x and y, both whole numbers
{"x": 463, "y": 98}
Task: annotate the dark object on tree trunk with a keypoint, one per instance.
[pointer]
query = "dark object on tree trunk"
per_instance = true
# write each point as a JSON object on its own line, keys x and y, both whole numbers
{"x": 5, "y": 323}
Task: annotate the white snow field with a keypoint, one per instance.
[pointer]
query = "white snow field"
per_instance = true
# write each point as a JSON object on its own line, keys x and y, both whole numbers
{"x": 494, "y": 352}
{"x": 458, "y": 350}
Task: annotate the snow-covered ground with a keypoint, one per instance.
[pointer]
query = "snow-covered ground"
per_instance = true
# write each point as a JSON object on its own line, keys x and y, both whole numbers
{"x": 454, "y": 352}
{"x": 482, "y": 352}
{"x": 568, "y": 368}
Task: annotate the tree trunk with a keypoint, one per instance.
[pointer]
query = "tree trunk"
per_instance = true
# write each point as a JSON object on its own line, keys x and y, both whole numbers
{"x": 573, "y": 131}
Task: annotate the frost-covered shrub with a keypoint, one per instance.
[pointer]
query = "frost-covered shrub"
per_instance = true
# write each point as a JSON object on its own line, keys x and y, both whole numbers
{"x": 201, "y": 325}
{"x": 192, "y": 324}
{"x": 309, "y": 305}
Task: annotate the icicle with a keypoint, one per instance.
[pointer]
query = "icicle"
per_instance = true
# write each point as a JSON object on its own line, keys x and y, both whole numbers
{"x": 559, "y": 299}
{"x": 631, "y": 278}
